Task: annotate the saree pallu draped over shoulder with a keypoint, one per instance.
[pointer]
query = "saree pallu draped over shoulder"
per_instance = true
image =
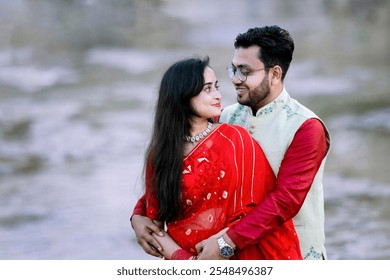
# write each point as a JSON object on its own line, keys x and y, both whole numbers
{"x": 223, "y": 178}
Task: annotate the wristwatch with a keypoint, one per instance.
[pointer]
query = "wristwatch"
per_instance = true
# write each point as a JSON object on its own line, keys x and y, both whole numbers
{"x": 225, "y": 250}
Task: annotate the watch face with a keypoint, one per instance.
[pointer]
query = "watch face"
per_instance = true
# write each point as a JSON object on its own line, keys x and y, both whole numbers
{"x": 226, "y": 251}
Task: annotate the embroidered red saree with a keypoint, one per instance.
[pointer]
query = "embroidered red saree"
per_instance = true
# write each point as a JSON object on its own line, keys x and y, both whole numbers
{"x": 223, "y": 178}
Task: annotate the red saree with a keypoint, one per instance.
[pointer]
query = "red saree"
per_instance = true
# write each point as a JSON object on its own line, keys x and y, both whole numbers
{"x": 224, "y": 177}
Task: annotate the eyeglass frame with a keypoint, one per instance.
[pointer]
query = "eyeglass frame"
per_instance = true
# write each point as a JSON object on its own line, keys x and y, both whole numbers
{"x": 237, "y": 70}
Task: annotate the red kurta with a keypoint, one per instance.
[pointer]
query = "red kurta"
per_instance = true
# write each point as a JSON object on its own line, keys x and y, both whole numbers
{"x": 223, "y": 178}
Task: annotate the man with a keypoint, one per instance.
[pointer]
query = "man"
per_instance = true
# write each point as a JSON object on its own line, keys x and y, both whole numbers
{"x": 294, "y": 140}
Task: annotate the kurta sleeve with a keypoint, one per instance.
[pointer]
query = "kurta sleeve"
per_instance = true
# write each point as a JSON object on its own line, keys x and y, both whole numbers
{"x": 140, "y": 207}
{"x": 147, "y": 205}
{"x": 152, "y": 207}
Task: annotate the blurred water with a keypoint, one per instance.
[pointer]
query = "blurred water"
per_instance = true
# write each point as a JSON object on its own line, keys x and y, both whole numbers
{"x": 77, "y": 88}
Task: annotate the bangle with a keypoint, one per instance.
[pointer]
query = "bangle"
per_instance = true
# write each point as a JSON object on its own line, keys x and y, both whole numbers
{"x": 181, "y": 254}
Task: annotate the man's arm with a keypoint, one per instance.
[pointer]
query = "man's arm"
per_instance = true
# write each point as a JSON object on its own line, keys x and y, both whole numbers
{"x": 296, "y": 174}
{"x": 144, "y": 228}
{"x": 211, "y": 248}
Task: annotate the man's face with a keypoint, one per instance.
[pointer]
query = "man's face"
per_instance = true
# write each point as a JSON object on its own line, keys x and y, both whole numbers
{"x": 255, "y": 90}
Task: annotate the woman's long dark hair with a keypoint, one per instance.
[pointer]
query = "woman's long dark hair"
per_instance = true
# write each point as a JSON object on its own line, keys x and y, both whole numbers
{"x": 182, "y": 81}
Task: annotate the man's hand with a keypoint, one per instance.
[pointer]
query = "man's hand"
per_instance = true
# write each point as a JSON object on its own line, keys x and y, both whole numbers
{"x": 143, "y": 228}
{"x": 208, "y": 249}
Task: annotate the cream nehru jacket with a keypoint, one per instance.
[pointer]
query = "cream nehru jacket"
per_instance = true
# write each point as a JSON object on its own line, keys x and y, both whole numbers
{"x": 274, "y": 127}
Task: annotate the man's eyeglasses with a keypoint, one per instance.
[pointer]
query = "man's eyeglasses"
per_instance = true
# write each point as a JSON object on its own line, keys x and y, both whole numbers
{"x": 242, "y": 73}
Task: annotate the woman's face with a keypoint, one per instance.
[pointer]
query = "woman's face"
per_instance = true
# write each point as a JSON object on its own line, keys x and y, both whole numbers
{"x": 207, "y": 104}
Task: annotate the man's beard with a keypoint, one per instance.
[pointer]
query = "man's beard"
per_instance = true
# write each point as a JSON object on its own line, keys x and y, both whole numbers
{"x": 257, "y": 95}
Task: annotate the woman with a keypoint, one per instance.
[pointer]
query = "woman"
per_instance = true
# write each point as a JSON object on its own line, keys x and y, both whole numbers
{"x": 202, "y": 177}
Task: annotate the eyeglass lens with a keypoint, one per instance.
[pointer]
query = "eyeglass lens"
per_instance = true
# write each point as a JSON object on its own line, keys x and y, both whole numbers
{"x": 232, "y": 72}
